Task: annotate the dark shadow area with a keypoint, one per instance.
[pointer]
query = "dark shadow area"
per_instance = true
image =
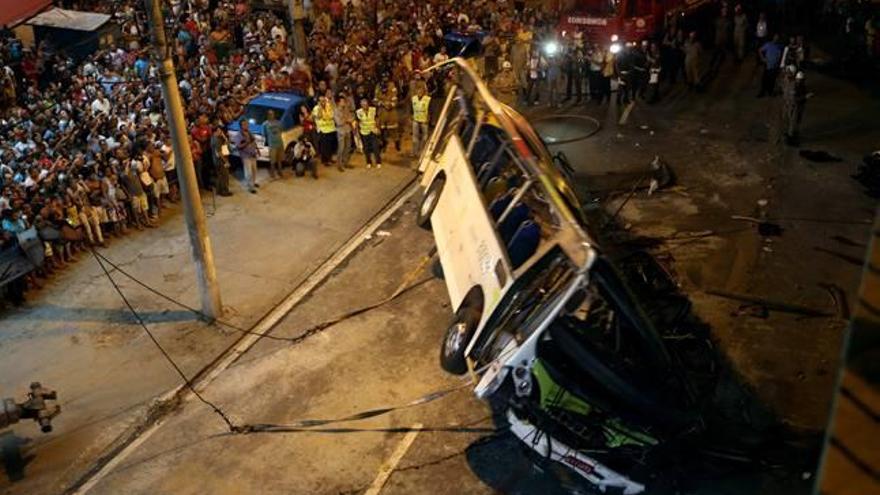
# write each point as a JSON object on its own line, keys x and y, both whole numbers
{"x": 51, "y": 312}
{"x": 508, "y": 467}
{"x": 14, "y": 460}
{"x": 709, "y": 432}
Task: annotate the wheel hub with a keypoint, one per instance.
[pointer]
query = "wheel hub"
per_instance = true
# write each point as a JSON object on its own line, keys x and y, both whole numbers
{"x": 455, "y": 337}
{"x": 429, "y": 200}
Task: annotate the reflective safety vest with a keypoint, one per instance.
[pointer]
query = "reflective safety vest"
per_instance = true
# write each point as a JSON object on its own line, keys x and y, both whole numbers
{"x": 366, "y": 120}
{"x": 324, "y": 119}
{"x": 420, "y": 108}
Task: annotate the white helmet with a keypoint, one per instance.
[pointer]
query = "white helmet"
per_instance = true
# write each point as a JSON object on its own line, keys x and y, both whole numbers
{"x": 506, "y": 65}
{"x": 799, "y": 76}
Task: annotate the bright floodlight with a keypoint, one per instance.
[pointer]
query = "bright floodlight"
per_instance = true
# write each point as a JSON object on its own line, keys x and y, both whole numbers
{"x": 551, "y": 48}
{"x": 615, "y": 48}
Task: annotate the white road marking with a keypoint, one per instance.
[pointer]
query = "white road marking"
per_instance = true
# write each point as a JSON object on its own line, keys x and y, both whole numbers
{"x": 626, "y": 112}
{"x": 391, "y": 463}
{"x": 262, "y": 327}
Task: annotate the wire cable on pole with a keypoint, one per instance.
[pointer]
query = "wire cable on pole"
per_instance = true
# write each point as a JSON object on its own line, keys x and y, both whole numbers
{"x": 403, "y": 288}
{"x": 187, "y": 382}
{"x": 295, "y": 426}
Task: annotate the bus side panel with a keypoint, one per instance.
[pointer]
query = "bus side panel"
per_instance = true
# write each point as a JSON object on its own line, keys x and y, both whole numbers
{"x": 427, "y": 166}
{"x": 463, "y": 230}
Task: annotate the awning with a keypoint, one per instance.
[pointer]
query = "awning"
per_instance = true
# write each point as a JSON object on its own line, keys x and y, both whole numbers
{"x": 70, "y": 19}
{"x": 17, "y": 11}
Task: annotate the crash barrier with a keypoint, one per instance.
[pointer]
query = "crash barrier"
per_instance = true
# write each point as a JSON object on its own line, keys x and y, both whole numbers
{"x": 297, "y": 425}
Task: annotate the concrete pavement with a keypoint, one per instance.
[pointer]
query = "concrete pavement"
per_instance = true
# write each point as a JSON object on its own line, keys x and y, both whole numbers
{"x": 386, "y": 356}
{"x": 77, "y": 337}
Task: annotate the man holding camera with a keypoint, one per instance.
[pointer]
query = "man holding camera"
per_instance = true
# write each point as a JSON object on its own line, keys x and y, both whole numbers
{"x": 304, "y": 157}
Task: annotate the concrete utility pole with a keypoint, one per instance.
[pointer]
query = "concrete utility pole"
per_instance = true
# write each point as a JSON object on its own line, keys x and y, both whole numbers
{"x": 297, "y": 22}
{"x": 196, "y": 224}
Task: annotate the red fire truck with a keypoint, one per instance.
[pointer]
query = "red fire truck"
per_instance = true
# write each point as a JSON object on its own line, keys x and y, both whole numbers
{"x": 630, "y": 20}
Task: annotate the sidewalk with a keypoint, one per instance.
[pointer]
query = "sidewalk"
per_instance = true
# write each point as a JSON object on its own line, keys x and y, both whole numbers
{"x": 77, "y": 337}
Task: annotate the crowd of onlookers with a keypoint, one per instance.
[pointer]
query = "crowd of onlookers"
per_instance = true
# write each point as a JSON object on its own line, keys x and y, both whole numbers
{"x": 86, "y": 154}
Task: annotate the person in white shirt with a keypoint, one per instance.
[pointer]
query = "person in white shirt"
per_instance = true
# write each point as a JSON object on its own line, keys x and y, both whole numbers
{"x": 101, "y": 105}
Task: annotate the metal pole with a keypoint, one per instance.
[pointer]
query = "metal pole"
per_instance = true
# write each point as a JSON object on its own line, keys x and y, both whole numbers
{"x": 298, "y": 35}
{"x": 203, "y": 255}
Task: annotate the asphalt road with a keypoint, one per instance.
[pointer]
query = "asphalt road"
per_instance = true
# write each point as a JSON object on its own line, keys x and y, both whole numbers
{"x": 385, "y": 356}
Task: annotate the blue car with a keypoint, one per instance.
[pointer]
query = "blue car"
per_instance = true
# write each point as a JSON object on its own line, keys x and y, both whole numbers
{"x": 286, "y": 107}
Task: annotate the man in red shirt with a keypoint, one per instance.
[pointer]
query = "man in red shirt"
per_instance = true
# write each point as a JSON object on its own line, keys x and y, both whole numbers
{"x": 201, "y": 134}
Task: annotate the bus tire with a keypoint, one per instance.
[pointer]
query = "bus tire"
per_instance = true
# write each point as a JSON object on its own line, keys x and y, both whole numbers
{"x": 429, "y": 202}
{"x": 456, "y": 339}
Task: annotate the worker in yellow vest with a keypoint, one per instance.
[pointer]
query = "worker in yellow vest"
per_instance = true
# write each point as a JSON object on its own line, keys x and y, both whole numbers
{"x": 324, "y": 116}
{"x": 421, "y": 102}
{"x": 369, "y": 132}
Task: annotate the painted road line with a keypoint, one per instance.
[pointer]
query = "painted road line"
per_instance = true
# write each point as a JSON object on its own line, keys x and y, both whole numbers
{"x": 626, "y": 112}
{"x": 391, "y": 463}
{"x": 262, "y": 327}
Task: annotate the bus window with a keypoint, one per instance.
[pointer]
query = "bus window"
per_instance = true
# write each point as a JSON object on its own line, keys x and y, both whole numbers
{"x": 526, "y": 303}
{"x": 455, "y": 122}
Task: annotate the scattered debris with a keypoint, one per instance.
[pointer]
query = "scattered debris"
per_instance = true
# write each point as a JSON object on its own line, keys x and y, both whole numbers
{"x": 770, "y": 305}
{"x": 753, "y": 310}
{"x": 383, "y": 233}
{"x": 664, "y": 176}
{"x": 843, "y": 256}
{"x": 819, "y": 156}
{"x": 838, "y": 297}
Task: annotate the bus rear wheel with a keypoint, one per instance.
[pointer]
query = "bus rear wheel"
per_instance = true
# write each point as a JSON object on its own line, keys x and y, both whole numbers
{"x": 429, "y": 202}
{"x": 456, "y": 339}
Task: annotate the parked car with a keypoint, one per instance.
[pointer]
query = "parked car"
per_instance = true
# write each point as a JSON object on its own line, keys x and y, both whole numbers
{"x": 286, "y": 107}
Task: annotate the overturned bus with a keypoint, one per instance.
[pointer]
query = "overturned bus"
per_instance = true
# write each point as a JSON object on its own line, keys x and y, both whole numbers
{"x": 588, "y": 358}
